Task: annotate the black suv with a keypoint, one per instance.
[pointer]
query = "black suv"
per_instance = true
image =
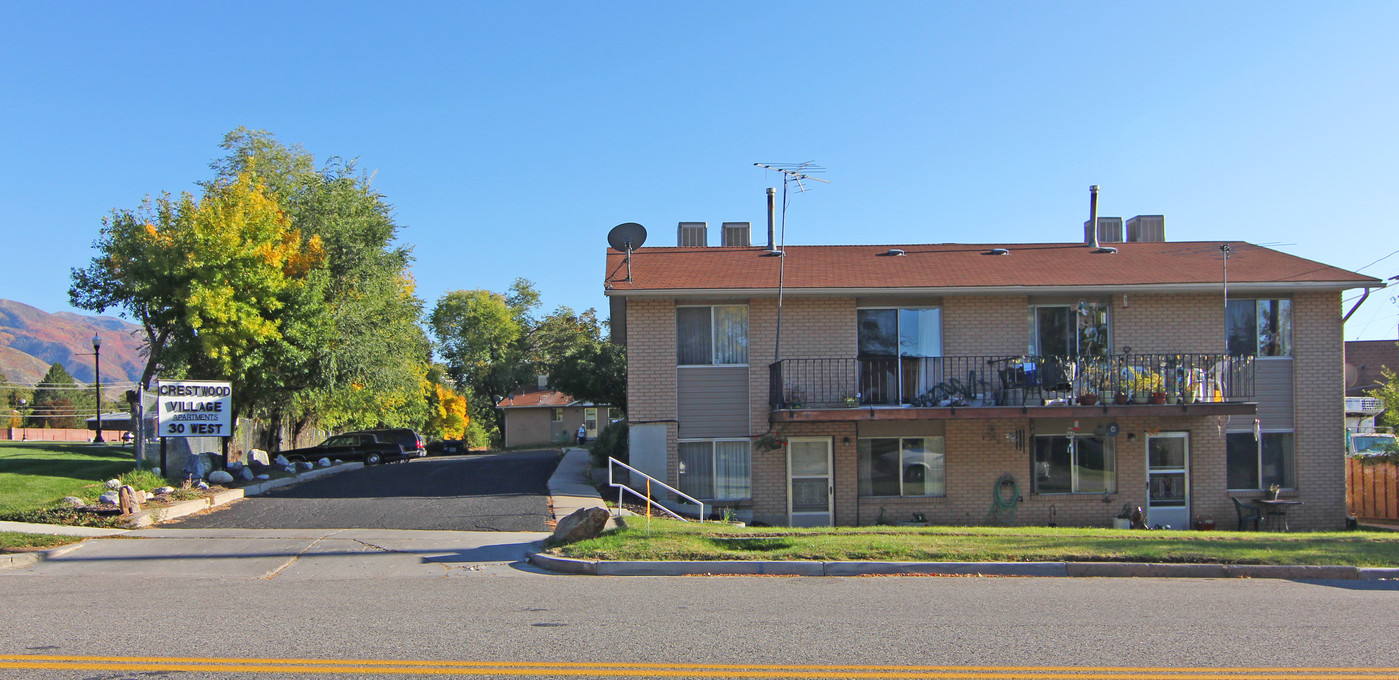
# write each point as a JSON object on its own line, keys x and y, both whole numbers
{"x": 371, "y": 446}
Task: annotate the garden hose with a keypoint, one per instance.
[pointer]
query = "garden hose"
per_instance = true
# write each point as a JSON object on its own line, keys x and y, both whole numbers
{"x": 1002, "y": 508}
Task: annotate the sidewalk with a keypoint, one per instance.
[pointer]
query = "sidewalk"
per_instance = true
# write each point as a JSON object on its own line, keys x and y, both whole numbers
{"x": 569, "y": 488}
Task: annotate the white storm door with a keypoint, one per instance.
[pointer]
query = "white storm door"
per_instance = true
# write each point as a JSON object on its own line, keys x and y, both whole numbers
{"x": 1168, "y": 480}
{"x": 590, "y": 422}
{"x": 809, "y": 486}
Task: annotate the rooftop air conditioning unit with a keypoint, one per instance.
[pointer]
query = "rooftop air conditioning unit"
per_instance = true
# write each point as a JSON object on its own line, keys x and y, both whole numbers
{"x": 1109, "y": 230}
{"x": 693, "y": 235}
{"x": 1146, "y": 228}
{"x": 736, "y": 235}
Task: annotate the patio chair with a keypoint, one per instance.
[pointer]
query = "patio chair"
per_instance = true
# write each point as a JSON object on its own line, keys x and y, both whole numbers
{"x": 1247, "y": 513}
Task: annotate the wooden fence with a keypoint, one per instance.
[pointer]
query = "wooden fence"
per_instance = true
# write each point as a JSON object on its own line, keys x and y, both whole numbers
{"x": 1372, "y": 491}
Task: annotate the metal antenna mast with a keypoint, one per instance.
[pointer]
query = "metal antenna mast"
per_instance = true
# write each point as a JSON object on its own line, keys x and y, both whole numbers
{"x": 791, "y": 173}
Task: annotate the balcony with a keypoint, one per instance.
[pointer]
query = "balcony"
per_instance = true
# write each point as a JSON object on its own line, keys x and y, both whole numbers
{"x": 898, "y": 388}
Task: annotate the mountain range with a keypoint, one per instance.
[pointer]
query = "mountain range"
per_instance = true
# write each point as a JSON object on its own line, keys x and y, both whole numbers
{"x": 31, "y": 340}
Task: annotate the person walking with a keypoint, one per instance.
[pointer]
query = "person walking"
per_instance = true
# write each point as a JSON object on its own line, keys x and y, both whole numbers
{"x": 582, "y": 435}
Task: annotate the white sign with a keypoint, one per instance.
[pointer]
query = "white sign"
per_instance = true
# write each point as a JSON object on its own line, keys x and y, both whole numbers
{"x": 194, "y": 408}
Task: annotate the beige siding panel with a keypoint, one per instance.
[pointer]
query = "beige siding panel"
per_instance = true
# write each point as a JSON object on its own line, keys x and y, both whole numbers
{"x": 1273, "y": 387}
{"x": 712, "y": 401}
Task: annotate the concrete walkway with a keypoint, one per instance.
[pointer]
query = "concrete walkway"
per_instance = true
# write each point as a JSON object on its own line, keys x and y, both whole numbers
{"x": 569, "y": 488}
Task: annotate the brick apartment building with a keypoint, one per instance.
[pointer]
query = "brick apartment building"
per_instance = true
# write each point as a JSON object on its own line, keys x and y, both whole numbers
{"x": 985, "y": 383}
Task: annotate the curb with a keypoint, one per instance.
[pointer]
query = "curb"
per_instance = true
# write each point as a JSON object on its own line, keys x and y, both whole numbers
{"x": 146, "y": 518}
{"x": 568, "y": 565}
{"x": 29, "y": 559}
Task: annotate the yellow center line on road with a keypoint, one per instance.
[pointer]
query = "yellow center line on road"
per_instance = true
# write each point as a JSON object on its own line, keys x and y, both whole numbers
{"x": 603, "y": 669}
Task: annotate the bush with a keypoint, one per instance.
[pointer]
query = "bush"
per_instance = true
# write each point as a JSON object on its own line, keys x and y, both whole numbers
{"x": 611, "y": 442}
{"x": 476, "y": 436}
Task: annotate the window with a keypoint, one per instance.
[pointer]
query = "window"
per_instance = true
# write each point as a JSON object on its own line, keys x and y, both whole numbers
{"x": 898, "y": 353}
{"x": 1070, "y": 330}
{"x": 1254, "y": 464}
{"x": 558, "y": 415}
{"x": 711, "y": 335}
{"x": 1259, "y": 327}
{"x": 1074, "y": 464}
{"x": 907, "y": 466}
{"x": 716, "y": 470}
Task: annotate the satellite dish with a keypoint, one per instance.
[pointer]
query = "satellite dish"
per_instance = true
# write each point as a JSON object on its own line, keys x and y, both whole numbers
{"x": 1352, "y": 376}
{"x": 626, "y": 237}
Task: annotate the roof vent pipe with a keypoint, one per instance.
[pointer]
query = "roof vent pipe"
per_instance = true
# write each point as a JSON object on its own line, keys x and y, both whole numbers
{"x": 1093, "y": 216}
{"x": 772, "y": 242}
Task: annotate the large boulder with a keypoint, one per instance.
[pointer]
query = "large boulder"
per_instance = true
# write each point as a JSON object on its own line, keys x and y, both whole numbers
{"x": 324, "y": 462}
{"x": 109, "y": 498}
{"x": 245, "y": 474}
{"x": 583, "y": 524}
{"x": 258, "y": 457}
{"x": 220, "y": 477}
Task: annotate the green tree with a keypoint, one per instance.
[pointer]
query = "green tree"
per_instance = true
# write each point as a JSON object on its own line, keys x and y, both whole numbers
{"x": 595, "y": 372}
{"x": 1388, "y": 392}
{"x": 479, "y": 334}
{"x": 358, "y": 357}
{"x": 209, "y": 280}
{"x": 53, "y": 400}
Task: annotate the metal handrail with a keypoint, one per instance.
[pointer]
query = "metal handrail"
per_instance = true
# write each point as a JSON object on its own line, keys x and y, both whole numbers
{"x": 622, "y": 488}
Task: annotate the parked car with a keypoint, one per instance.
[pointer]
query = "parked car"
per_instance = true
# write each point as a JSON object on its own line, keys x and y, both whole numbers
{"x": 447, "y": 447}
{"x": 371, "y": 446}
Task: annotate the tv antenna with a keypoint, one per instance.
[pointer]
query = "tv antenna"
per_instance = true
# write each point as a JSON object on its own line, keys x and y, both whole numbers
{"x": 792, "y": 173}
{"x": 626, "y": 237}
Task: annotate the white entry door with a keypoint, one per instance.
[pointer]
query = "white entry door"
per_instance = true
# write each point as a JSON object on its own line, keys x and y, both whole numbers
{"x": 1168, "y": 480}
{"x": 590, "y": 422}
{"x": 809, "y": 487}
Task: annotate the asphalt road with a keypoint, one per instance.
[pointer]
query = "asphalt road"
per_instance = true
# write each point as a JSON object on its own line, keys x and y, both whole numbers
{"x": 494, "y": 492}
{"x": 446, "y": 624}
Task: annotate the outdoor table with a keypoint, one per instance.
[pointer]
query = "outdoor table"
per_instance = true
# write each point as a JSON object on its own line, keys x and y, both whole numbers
{"x": 1275, "y": 508}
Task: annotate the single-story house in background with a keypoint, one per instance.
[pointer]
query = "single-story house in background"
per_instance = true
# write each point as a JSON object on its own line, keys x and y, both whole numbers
{"x": 543, "y": 416}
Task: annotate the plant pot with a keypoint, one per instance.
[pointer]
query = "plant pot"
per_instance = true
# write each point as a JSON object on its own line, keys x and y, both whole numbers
{"x": 1105, "y": 396}
{"x": 1156, "y": 398}
{"x": 1121, "y": 398}
{"x": 1087, "y": 399}
{"x": 1121, "y": 523}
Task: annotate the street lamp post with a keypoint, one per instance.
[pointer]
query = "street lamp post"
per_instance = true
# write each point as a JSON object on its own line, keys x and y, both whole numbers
{"x": 97, "y": 381}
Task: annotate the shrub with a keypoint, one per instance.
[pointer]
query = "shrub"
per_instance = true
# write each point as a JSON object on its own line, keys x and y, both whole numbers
{"x": 610, "y": 443}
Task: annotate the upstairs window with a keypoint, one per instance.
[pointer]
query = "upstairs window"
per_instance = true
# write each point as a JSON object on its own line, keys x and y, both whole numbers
{"x": 1260, "y": 327}
{"x": 711, "y": 335}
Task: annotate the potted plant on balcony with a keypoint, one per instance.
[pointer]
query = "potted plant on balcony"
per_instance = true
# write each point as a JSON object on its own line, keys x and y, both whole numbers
{"x": 1091, "y": 382}
{"x": 1148, "y": 387}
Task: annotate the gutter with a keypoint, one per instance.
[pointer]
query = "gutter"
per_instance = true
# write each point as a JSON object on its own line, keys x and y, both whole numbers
{"x": 998, "y": 290}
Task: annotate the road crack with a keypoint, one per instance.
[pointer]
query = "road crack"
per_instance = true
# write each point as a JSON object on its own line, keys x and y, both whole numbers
{"x": 273, "y": 574}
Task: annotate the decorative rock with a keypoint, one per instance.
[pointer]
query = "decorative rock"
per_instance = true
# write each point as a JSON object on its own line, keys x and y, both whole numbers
{"x": 338, "y": 462}
{"x": 245, "y": 474}
{"x": 583, "y": 524}
{"x": 113, "y": 484}
{"x": 202, "y": 485}
{"x": 148, "y": 495}
{"x": 155, "y": 471}
{"x": 128, "y": 499}
{"x": 109, "y": 498}
{"x": 197, "y": 466}
{"x": 289, "y": 468}
{"x": 220, "y": 477}
{"x": 73, "y": 502}
{"x": 264, "y": 477}
{"x": 257, "y": 457}
{"x": 303, "y": 465}
{"x": 324, "y": 462}
{"x": 233, "y": 467}
{"x": 165, "y": 490}
{"x": 281, "y": 460}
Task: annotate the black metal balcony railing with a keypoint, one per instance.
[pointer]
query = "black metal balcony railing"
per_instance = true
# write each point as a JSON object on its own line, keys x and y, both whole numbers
{"x": 1010, "y": 380}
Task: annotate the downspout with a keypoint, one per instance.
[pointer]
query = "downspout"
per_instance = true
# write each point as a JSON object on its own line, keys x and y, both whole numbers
{"x": 1359, "y": 302}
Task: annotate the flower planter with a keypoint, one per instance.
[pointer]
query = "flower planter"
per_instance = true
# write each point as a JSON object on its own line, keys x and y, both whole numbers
{"x": 1121, "y": 398}
{"x": 1087, "y": 399}
{"x": 1156, "y": 398}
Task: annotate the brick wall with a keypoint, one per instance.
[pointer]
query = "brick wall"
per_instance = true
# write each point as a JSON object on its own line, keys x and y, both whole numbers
{"x": 979, "y": 325}
{"x": 1319, "y": 378}
{"x": 1168, "y": 323}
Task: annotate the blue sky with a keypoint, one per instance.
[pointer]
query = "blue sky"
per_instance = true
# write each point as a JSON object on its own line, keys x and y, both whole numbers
{"x": 512, "y": 136}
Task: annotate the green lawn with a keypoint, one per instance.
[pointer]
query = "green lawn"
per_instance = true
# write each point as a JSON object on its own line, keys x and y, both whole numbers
{"x": 13, "y": 542}
{"x": 674, "y": 540}
{"x": 36, "y": 474}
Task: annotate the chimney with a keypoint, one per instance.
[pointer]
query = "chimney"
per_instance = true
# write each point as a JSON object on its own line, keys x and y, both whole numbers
{"x": 693, "y": 234}
{"x": 1146, "y": 228}
{"x": 1091, "y": 226}
{"x": 543, "y": 382}
{"x": 736, "y": 235}
{"x": 772, "y": 242}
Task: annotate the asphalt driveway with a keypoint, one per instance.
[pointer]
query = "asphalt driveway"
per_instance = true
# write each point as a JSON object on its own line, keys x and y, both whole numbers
{"x": 493, "y": 492}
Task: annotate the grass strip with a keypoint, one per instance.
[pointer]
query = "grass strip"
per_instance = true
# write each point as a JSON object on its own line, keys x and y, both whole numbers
{"x": 674, "y": 540}
{"x": 12, "y": 542}
{"x": 34, "y": 475}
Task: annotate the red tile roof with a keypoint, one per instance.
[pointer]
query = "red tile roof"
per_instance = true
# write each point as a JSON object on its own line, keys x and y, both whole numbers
{"x": 533, "y": 397}
{"x": 969, "y": 266}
